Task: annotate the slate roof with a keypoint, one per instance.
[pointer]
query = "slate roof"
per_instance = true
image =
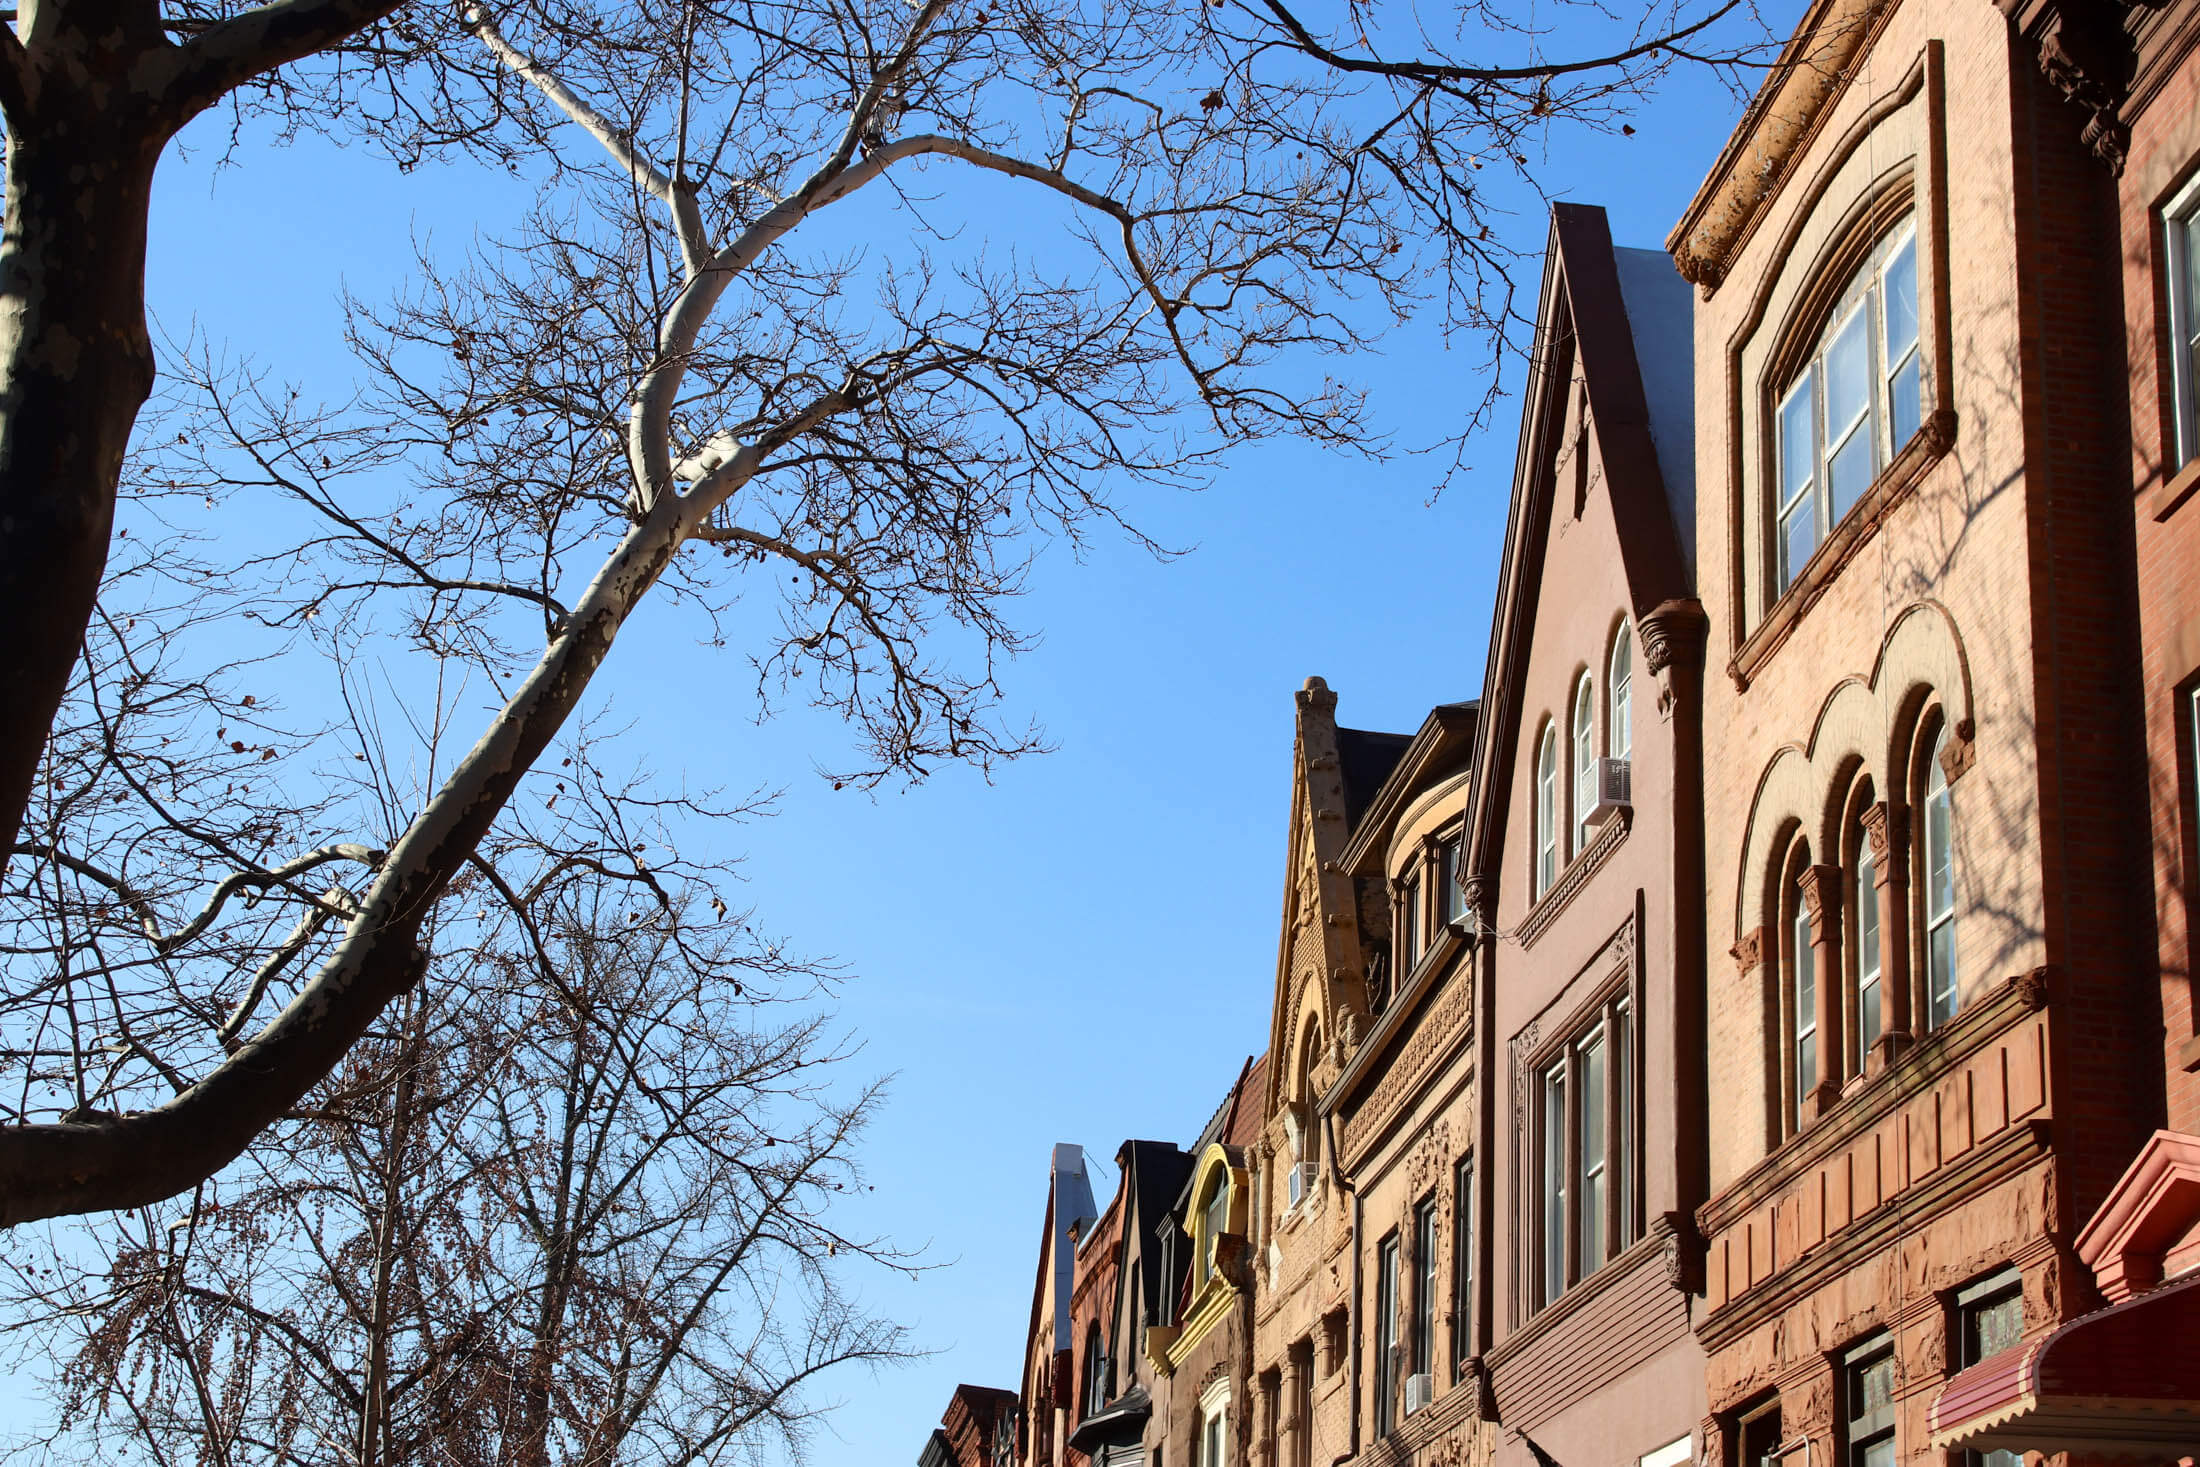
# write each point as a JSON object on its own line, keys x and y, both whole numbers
{"x": 1365, "y": 758}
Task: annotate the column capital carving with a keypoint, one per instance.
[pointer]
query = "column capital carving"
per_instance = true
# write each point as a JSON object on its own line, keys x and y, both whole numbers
{"x": 1673, "y": 634}
{"x": 1821, "y": 888}
{"x": 1886, "y": 826}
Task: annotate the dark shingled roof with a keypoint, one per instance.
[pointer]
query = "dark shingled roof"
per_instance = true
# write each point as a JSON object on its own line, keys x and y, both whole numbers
{"x": 1366, "y": 759}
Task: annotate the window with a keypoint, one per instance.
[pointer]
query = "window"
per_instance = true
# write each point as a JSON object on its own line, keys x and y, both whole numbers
{"x": 1585, "y": 1116}
{"x": 1803, "y": 985}
{"x": 1989, "y": 1320}
{"x": 1217, "y": 1218}
{"x": 1939, "y": 865}
{"x": 1867, "y": 965}
{"x": 1424, "y": 1288}
{"x": 1619, "y": 734}
{"x": 1867, "y": 1406}
{"x": 1853, "y": 405}
{"x": 1409, "y": 924}
{"x": 1585, "y": 761}
{"x": 1462, "y": 1264}
{"x": 1096, "y": 1372}
{"x": 1756, "y": 1434}
{"x": 2179, "y": 221}
{"x": 1271, "y": 1407}
{"x": 1546, "y": 811}
{"x": 1213, "y": 1443}
{"x": 1386, "y": 1336}
{"x": 1449, "y": 879}
{"x": 1302, "y": 1404}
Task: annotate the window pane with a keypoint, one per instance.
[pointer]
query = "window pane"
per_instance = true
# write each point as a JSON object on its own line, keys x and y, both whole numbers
{"x": 1585, "y": 774}
{"x": 1462, "y": 1259}
{"x": 1899, "y": 292}
{"x": 1409, "y": 928}
{"x": 1867, "y": 949}
{"x": 1903, "y": 393}
{"x": 1940, "y": 893}
{"x": 1424, "y": 1291}
{"x": 1798, "y": 538}
{"x": 1849, "y": 472}
{"x": 1848, "y": 375}
{"x": 1622, "y": 1140}
{"x": 1621, "y": 734}
{"x": 1455, "y": 895}
{"x": 1590, "y": 1198}
{"x": 1806, "y": 1009}
{"x": 1554, "y": 1182}
{"x": 1798, "y": 445}
{"x": 1546, "y": 812}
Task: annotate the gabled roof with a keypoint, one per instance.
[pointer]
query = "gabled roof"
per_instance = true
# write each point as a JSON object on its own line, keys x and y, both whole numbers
{"x": 1154, "y": 1173}
{"x": 1441, "y": 747}
{"x": 1619, "y": 319}
{"x": 1366, "y": 759}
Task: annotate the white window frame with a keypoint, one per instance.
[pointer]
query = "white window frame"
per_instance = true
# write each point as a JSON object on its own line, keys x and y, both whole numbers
{"x": 1869, "y": 992}
{"x": 1803, "y": 981}
{"x": 2180, "y": 218}
{"x": 1214, "y": 1424}
{"x": 1864, "y": 292}
{"x": 1546, "y": 809}
{"x": 1619, "y": 730}
{"x": 1585, "y": 759}
{"x": 1936, "y": 842}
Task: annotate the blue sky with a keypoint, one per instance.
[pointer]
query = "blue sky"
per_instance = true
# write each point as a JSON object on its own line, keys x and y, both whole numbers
{"x": 1083, "y": 950}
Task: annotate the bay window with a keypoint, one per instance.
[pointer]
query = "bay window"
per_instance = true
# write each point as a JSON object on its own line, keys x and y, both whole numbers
{"x": 1586, "y": 1138}
{"x": 1852, "y": 405}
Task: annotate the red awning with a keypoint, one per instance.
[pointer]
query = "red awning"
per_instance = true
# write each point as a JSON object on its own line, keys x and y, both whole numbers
{"x": 2123, "y": 1381}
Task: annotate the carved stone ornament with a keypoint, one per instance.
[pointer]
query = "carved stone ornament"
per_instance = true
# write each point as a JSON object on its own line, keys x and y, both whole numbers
{"x": 1749, "y": 953}
{"x": 1961, "y": 750}
{"x": 1673, "y": 633}
{"x": 1684, "y": 1249}
{"x": 2030, "y": 988}
{"x": 2085, "y": 55}
{"x": 1821, "y": 888}
{"x": 1481, "y": 900}
{"x": 1888, "y": 828}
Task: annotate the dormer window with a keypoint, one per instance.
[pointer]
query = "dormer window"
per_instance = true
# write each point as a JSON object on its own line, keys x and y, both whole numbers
{"x": 1852, "y": 404}
{"x": 1409, "y": 924}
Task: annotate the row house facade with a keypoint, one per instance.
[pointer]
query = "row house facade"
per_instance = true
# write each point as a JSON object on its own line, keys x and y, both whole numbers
{"x": 1762, "y": 1027}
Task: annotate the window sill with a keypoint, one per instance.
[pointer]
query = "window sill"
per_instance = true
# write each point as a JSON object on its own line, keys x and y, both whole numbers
{"x": 1926, "y": 447}
{"x": 1575, "y": 876}
{"x": 2172, "y": 495}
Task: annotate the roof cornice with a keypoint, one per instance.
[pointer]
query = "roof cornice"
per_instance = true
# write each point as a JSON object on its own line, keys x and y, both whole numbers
{"x": 1813, "y": 69}
{"x": 1442, "y": 732}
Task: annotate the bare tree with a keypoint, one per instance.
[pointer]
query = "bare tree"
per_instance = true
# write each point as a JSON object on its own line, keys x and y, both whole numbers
{"x": 570, "y": 1205}
{"x": 686, "y": 351}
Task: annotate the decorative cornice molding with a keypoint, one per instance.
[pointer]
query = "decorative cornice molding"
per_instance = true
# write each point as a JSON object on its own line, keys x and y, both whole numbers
{"x": 1437, "y": 1033}
{"x": 1786, "y": 113}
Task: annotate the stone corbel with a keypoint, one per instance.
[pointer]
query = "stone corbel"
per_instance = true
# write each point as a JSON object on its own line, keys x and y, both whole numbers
{"x": 2085, "y": 54}
{"x": 1685, "y": 1250}
{"x": 1673, "y": 634}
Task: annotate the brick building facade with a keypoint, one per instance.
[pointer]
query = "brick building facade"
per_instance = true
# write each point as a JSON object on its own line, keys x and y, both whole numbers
{"x": 1764, "y": 1027}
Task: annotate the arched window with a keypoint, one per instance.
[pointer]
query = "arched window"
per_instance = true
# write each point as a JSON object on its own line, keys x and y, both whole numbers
{"x": 1585, "y": 760}
{"x": 1853, "y": 403}
{"x": 1546, "y": 810}
{"x": 1937, "y": 864}
{"x": 1867, "y": 962}
{"x": 1619, "y": 733}
{"x": 1803, "y": 987}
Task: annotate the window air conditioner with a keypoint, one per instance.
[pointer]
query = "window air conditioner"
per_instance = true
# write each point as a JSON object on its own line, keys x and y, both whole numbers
{"x": 1615, "y": 790}
{"x": 1303, "y": 1177}
{"x": 1420, "y": 1390}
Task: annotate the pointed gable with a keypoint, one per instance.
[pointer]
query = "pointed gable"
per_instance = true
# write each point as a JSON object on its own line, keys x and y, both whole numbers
{"x": 1612, "y": 368}
{"x": 1321, "y": 958}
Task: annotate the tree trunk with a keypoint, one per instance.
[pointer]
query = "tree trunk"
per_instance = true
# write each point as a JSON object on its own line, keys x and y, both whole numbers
{"x": 76, "y": 364}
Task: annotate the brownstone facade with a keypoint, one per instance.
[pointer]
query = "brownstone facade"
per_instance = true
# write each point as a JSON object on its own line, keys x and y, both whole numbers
{"x": 1763, "y": 1027}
